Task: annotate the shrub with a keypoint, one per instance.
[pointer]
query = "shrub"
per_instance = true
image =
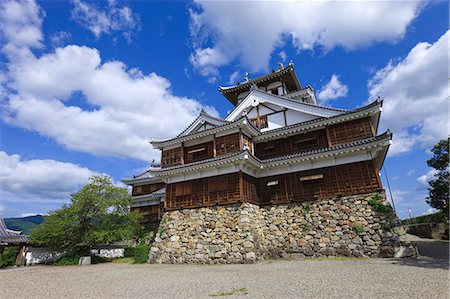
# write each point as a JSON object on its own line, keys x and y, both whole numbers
{"x": 377, "y": 203}
{"x": 8, "y": 258}
{"x": 139, "y": 253}
{"x": 358, "y": 228}
{"x": 68, "y": 260}
{"x": 307, "y": 208}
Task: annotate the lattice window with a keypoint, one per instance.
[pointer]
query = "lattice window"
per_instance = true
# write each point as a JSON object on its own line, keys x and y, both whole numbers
{"x": 171, "y": 157}
{"x": 306, "y": 143}
{"x": 260, "y": 122}
{"x": 217, "y": 184}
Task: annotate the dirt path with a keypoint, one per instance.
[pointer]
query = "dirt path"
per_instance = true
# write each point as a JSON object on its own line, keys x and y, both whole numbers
{"x": 372, "y": 278}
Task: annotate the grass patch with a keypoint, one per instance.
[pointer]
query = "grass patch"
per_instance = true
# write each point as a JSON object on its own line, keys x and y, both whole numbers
{"x": 123, "y": 260}
{"x": 358, "y": 229}
{"x": 338, "y": 258}
{"x": 67, "y": 260}
{"x": 377, "y": 203}
{"x": 139, "y": 253}
{"x": 241, "y": 291}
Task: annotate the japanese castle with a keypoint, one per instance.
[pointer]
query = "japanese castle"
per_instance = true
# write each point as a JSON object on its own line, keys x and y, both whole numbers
{"x": 276, "y": 146}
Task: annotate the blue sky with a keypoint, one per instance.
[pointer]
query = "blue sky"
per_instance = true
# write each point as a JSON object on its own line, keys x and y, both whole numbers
{"x": 85, "y": 85}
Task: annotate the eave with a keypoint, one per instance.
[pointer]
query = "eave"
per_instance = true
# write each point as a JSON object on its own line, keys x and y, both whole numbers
{"x": 372, "y": 109}
{"x": 242, "y": 123}
{"x": 230, "y": 92}
{"x": 141, "y": 179}
{"x": 257, "y": 96}
{"x": 245, "y": 159}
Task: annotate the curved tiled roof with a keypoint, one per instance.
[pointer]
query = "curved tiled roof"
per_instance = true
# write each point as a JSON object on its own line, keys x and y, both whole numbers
{"x": 320, "y": 119}
{"x": 207, "y": 132}
{"x": 203, "y": 113}
{"x": 250, "y": 82}
{"x": 385, "y": 135}
{"x": 261, "y": 162}
{"x": 8, "y": 237}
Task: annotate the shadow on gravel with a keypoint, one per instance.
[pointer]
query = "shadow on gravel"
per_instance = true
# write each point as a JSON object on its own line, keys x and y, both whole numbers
{"x": 423, "y": 262}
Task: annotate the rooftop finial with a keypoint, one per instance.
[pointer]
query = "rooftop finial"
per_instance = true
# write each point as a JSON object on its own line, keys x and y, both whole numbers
{"x": 291, "y": 62}
{"x": 280, "y": 65}
{"x": 246, "y": 77}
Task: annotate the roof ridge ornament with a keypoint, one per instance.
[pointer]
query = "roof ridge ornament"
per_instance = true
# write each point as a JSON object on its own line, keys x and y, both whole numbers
{"x": 246, "y": 77}
{"x": 280, "y": 65}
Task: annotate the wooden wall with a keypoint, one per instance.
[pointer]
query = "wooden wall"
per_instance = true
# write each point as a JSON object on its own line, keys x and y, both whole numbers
{"x": 221, "y": 189}
{"x": 151, "y": 215}
{"x": 350, "y": 131}
{"x": 291, "y": 145}
{"x": 198, "y": 152}
{"x": 146, "y": 189}
{"x": 227, "y": 144}
{"x": 331, "y": 136}
{"x": 342, "y": 180}
{"x": 171, "y": 157}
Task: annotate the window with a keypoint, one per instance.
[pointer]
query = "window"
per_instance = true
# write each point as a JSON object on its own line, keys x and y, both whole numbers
{"x": 183, "y": 189}
{"x": 306, "y": 143}
{"x": 311, "y": 177}
{"x": 138, "y": 189}
{"x": 217, "y": 184}
{"x": 260, "y": 122}
{"x": 272, "y": 183}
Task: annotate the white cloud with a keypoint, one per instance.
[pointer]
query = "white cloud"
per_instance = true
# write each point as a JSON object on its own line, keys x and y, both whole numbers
{"x": 234, "y": 77}
{"x": 334, "y": 89}
{"x": 424, "y": 179}
{"x": 22, "y": 215}
{"x": 21, "y": 22}
{"x": 2, "y": 209}
{"x": 39, "y": 180}
{"x": 60, "y": 38}
{"x": 430, "y": 211}
{"x": 251, "y": 30}
{"x": 283, "y": 55}
{"x": 110, "y": 19}
{"x": 415, "y": 93}
{"x": 120, "y": 110}
{"x": 410, "y": 172}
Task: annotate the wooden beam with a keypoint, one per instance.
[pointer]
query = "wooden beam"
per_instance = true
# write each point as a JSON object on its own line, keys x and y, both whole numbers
{"x": 328, "y": 136}
{"x": 182, "y": 153}
{"x": 371, "y": 127}
{"x": 241, "y": 186}
{"x": 241, "y": 141}
{"x": 214, "y": 146}
{"x": 258, "y": 124}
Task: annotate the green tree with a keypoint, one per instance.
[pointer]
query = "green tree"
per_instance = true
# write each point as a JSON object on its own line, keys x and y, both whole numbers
{"x": 98, "y": 213}
{"x": 439, "y": 187}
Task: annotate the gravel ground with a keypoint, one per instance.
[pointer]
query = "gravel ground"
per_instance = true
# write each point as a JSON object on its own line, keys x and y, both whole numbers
{"x": 368, "y": 278}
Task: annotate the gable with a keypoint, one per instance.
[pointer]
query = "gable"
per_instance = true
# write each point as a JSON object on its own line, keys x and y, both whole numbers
{"x": 203, "y": 122}
{"x": 279, "y": 111}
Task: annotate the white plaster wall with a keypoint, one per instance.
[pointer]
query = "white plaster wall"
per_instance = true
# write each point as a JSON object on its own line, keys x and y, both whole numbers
{"x": 275, "y": 121}
{"x": 295, "y": 117}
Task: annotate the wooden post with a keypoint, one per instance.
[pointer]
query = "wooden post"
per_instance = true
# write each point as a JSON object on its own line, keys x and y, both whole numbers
{"x": 241, "y": 141}
{"x": 214, "y": 146}
{"x": 182, "y": 152}
{"x": 241, "y": 186}
{"x": 372, "y": 128}
{"x": 285, "y": 119}
{"x": 258, "y": 123}
{"x": 327, "y": 129}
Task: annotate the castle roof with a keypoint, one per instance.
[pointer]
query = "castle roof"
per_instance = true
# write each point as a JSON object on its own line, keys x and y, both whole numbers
{"x": 378, "y": 143}
{"x": 287, "y": 73}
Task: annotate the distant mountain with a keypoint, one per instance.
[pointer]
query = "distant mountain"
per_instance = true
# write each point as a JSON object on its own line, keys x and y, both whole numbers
{"x": 25, "y": 224}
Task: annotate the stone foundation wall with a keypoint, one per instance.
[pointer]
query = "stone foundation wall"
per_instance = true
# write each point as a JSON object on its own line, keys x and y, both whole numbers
{"x": 242, "y": 233}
